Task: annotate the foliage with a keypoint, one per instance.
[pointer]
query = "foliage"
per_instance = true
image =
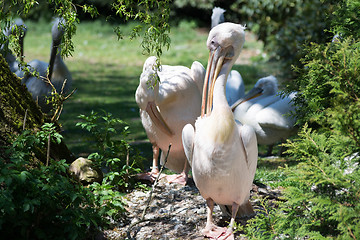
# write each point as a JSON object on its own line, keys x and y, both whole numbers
{"x": 285, "y": 26}
{"x": 153, "y": 16}
{"x": 41, "y": 202}
{"x": 114, "y": 150}
{"x": 322, "y": 191}
{"x": 330, "y": 88}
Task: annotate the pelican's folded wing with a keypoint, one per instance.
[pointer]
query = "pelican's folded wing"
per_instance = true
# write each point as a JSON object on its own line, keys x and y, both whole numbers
{"x": 277, "y": 115}
{"x": 248, "y": 138}
{"x": 188, "y": 134}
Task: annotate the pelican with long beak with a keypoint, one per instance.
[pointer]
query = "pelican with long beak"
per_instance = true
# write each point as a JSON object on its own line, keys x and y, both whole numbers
{"x": 222, "y": 153}
{"x": 55, "y": 71}
{"x": 267, "y": 112}
{"x": 169, "y": 98}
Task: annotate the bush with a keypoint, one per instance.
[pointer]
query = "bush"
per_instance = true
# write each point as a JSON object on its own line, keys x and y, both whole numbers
{"x": 322, "y": 193}
{"x": 42, "y": 202}
{"x": 114, "y": 154}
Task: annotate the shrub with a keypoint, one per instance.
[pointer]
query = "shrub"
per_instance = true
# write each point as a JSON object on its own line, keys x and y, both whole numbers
{"x": 42, "y": 202}
{"x": 322, "y": 193}
{"x": 114, "y": 154}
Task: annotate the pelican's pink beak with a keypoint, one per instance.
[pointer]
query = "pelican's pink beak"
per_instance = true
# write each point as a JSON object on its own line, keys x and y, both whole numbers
{"x": 253, "y": 93}
{"x": 157, "y": 119}
{"x": 215, "y": 63}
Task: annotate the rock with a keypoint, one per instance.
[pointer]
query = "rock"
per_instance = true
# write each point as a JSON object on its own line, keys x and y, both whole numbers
{"x": 82, "y": 169}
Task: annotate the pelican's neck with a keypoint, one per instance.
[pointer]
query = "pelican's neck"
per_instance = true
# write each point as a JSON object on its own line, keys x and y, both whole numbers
{"x": 53, "y": 54}
{"x": 219, "y": 97}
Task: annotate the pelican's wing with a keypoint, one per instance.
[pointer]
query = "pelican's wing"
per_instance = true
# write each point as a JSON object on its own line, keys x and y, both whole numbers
{"x": 248, "y": 139}
{"x": 198, "y": 74}
{"x": 277, "y": 115}
{"x": 188, "y": 134}
{"x": 235, "y": 87}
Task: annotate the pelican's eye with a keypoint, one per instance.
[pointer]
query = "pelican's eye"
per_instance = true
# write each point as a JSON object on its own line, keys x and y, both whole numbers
{"x": 213, "y": 44}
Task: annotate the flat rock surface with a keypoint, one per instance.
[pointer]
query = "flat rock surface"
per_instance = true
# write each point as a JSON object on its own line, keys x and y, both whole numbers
{"x": 175, "y": 212}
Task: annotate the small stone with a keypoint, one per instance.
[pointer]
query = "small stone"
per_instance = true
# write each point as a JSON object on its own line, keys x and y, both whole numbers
{"x": 84, "y": 171}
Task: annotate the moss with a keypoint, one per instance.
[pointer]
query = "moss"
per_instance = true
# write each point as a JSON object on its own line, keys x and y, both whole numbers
{"x": 15, "y": 103}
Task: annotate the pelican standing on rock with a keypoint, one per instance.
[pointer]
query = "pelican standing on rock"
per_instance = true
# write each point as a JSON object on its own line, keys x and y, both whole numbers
{"x": 55, "y": 70}
{"x": 166, "y": 106}
{"x": 221, "y": 152}
{"x": 267, "y": 112}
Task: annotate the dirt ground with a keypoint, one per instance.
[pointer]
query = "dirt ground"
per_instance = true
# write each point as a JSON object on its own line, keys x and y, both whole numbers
{"x": 175, "y": 212}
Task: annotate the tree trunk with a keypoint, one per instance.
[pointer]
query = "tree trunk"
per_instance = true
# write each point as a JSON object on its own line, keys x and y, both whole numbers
{"x": 18, "y": 111}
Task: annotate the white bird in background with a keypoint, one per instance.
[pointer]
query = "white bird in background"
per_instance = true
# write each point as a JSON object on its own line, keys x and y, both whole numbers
{"x": 222, "y": 152}
{"x": 267, "y": 112}
{"x": 166, "y": 106}
{"x": 55, "y": 69}
{"x": 217, "y": 16}
{"x": 235, "y": 87}
{"x": 9, "y": 57}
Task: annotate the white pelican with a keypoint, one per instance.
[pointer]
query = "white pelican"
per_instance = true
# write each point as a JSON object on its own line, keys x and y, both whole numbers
{"x": 221, "y": 152}
{"x": 235, "y": 88}
{"x": 217, "y": 16}
{"x": 268, "y": 113}
{"x": 165, "y": 107}
{"x": 9, "y": 57}
{"x": 55, "y": 69}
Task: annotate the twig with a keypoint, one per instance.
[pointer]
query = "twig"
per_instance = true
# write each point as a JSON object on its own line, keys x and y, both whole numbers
{"x": 48, "y": 151}
{"x": 142, "y": 219}
{"x": 25, "y": 119}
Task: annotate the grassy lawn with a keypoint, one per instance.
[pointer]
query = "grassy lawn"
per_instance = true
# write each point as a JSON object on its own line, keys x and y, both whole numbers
{"x": 106, "y": 72}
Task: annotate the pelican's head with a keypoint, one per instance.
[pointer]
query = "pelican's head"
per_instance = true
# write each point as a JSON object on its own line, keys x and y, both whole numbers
{"x": 264, "y": 86}
{"x": 57, "y": 31}
{"x": 20, "y": 28}
{"x": 225, "y": 42}
{"x": 269, "y": 85}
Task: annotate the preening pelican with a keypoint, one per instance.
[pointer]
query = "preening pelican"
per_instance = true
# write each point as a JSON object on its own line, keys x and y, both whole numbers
{"x": 235, "y": 87}
{"x": 55, "y": 69}
{"x": 221, "y": 152}
{"x": 268, "y": 113}
{"x": 9, "y": 57}
{"x": 165, "y": 107}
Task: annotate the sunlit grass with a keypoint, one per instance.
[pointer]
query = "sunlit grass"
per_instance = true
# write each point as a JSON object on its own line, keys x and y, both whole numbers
{"x": 106, "y": 72}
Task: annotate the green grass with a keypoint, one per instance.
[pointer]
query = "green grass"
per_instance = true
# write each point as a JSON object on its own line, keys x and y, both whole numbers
{"x": 106, "y": 72}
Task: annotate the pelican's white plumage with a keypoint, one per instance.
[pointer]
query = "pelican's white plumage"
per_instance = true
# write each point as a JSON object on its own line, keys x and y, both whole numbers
{"x": 222, "y": 153}
{"x": 217, "y": 16}
{"x": 167, "y": 105}
{"x": 268, "y": 113}
{"x": 58, "y": 71}
{"x": 235, "y": 87}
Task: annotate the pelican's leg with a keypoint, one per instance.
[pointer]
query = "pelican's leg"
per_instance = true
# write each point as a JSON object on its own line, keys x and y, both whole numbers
{"x": 151, "y": 176}
{"x": 180, "y": 178}
{"x": 229, "y": 235}
{"x": 211, "y": 230}
{"x": 155, "y": 165}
